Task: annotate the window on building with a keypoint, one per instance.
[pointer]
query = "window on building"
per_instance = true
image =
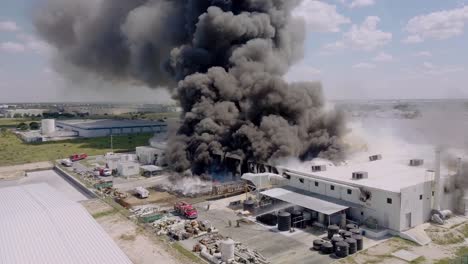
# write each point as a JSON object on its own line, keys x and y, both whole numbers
{"x": 332, "y": 187}
{"x": 350, "y": 191}
{"x": 420, "y": 197}
{"x": 389, "y": 200}
{"x": 301, "y": 180}
{"x": 316, "y": 184}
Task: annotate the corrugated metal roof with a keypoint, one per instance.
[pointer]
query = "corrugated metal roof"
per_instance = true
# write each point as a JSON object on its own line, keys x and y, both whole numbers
{"x": 305, "y": 201}
{"x": 40, "y": 225}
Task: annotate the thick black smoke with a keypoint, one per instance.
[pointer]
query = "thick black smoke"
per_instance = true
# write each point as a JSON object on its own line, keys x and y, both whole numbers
{"x": 223, "y": 60}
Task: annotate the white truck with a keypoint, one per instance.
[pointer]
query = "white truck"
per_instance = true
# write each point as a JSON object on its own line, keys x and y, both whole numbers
{"x": 142, "y": 192}
{"x": 66, "y": 162}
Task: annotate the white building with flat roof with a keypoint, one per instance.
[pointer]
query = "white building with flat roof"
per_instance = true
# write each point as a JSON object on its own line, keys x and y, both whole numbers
{"x": 40, "y": 225}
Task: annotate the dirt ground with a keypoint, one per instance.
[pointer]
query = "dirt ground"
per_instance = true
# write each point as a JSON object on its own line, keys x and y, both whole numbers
{"x": 18, "y": 171}
{"x": 139, "y": 245}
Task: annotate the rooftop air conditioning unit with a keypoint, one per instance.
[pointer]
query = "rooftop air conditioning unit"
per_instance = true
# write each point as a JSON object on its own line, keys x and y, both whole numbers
{"x": 416, "y": 162}
{"x": 375, "y": 157}
{"x": 316, "y": 168}
{"x": 359, "y": 175}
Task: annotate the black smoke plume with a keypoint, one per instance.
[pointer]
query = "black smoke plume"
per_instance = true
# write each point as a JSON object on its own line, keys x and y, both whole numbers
{"x": 223, "y": 60}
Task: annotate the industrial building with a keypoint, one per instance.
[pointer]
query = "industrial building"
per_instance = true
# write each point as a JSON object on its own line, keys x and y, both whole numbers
{"x": 107, "y": 127}
{"x": 152, "y": 155}
{"x": 40, "y": 225}
{"x": 384, "y": 195}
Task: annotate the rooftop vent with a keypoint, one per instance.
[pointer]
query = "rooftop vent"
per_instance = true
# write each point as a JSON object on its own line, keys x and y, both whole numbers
{"x": 375, "y": 157}
{"x": 359, "y": 175}
{"x": 416, "y": 162}
{"x": 316, "y": 168}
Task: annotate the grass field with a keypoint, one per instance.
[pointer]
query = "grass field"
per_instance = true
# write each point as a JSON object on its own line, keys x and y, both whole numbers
{"x": 13, "y": 122}
{"x": 13, "y": 151}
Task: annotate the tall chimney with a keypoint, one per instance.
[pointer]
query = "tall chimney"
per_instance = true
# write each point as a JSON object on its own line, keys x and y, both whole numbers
{"x": 436, "y": 205}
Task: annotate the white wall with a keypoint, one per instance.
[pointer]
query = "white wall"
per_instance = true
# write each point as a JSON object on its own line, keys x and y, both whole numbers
{"x": 415, "y": 200}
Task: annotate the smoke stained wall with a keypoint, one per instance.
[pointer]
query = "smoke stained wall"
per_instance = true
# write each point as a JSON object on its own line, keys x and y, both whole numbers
{"x": 223, "y": 61}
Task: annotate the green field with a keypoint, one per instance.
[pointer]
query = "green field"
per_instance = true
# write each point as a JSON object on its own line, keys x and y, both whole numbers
{"x": 13, "y": 151}
{"x": 13, "y": 122}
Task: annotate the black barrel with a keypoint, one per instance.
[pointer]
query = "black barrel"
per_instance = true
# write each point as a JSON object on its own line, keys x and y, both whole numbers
{"x": 342, "y": 249}
{"x": 341, "y": 232}
{"x": 335, "y": 239}
{"x": 351, "y": 226}
{"x": 359, "y": 241}
{"x": 347, "y": 234}
{"x": 352, "y": 245}
{"x": 332, "y": 230}
{"x": 249, "y": 205}
{"x": 284, "y": 221}
{"x": 296, "y": 216}
{"x": 355, "y": 231}
{"x": 318, "y": 244}
{"x": 326, "y": 248}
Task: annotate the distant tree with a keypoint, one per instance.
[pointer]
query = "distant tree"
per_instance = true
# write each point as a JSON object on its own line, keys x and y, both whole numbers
{"x": 22, "y": 126}
{"x": 26, "y": 115}
{"x": 34, "y": 125}
{"x": 3, "y": 132}
{"x": 17, "y": 115}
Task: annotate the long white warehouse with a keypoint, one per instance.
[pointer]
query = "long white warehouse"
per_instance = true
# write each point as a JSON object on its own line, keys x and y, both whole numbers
{"x": 40, "y": 225}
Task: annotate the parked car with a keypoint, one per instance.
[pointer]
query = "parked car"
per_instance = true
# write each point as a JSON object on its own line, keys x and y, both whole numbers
{"x": 66, "y": 162}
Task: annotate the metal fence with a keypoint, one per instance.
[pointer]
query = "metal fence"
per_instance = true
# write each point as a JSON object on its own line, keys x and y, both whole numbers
{"x": 460, "y": 260}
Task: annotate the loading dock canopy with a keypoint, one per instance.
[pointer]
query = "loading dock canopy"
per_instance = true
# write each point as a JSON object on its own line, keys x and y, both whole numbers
{"x": 305, "y": 201}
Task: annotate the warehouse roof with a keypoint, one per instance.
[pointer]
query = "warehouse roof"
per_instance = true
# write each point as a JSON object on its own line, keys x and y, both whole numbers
{"x": 389, "y": 175}
{"x": 109, "y": 123}
{"x": 39, "y": 225}
{"x": 292, "y": 196}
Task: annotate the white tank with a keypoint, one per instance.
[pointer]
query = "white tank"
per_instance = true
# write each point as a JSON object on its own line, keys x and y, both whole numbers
{"x": 227, "y": 249}
{"x": 47, "y": 126}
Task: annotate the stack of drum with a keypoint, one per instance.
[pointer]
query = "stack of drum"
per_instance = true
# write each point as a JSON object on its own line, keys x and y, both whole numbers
{"x": 359, "y": 242}
{"x": 347, "y": 234}
{"x": 351, "y": 226}
{"x": 326, "y": 248}
{"x": 332, "y": 230}
{"x": 318, "y": 244}
{"x": 355, "y": 231}
{"x": 352, "y": 245}
{"x": 342, "y": 249}
{"x": 335, "y": 239}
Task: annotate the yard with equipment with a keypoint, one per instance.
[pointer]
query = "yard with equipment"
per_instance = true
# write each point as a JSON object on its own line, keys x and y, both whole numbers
{"x": 14, "y": 151}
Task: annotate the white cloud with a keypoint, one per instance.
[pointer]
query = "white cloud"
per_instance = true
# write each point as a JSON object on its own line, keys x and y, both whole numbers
{"x": 437, "y": 25}
{"x": 9, "y": 26}
{"x": 361, "y": 3}
{"x": 302, "y": 72}
{"x": 423, "y": 54}
{"x": 320, "y": 16}
{"x": 429, "y": 68}
{"x": 412, "y": 39}
{"x": 363, "y": 37}
{"x": 383, "y": 57}
{"x": 33, "y": 44}
{"x": 12, "y": 47}
{"x": 364, "y": 65}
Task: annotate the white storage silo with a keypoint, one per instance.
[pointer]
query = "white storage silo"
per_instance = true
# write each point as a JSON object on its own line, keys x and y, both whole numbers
{"x": 227, "y": 249}
{"x": 47, "y": 126}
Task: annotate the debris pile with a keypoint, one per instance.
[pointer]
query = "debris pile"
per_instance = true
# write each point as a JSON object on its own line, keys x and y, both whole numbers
{"x": 178, "y": 229}
{"x": 210, "y": 248}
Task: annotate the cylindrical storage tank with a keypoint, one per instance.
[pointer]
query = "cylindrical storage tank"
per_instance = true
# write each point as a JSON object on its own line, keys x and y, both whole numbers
{"x": 341, "y": 232}
{"x": 317, "y": 245}
{"x": 47, "y": 126}
{"x": 342, "y": 249}
{"x": 347, "y": 234}
{"x": 296, "y": 216}
{"x": 355, "y": 231}
{"x": 352, "y": 245}
{"x": 335, "y": 239}
{"x": 284, "y": 221}
{"x": 351, "y": 226}
{"x": 332, "y": 230}
{"x": 359, "y": 241}
{"x": 249, "y": 205}
{"x": 227, "y": 249}
{"x": 326, "y": 248}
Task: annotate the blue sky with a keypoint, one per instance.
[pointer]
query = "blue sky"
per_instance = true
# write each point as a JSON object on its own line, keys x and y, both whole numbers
{"x": 358, "y": 49}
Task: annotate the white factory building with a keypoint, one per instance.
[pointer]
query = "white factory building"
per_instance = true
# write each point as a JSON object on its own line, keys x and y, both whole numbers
{"x": 107, "y": 127}
{"x": 389, "y": 195}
